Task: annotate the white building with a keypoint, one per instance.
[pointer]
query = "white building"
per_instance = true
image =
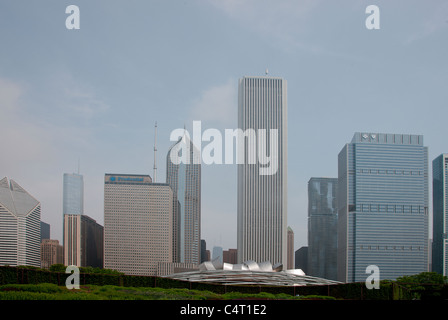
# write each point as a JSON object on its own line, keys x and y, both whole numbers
{"x": 19, "y": 226}
{"x": 138, "y": 217}
{"x": 262, "y": 194}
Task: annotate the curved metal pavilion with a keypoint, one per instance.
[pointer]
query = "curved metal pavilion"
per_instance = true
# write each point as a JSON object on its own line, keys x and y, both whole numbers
{"x": 249, "y": 273}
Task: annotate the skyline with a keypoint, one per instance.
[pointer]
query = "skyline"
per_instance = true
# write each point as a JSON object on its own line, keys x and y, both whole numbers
{"x": 94, "y": 94}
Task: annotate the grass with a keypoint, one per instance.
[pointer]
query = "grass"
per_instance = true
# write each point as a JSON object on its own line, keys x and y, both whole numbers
{"x": 47, "y": 291}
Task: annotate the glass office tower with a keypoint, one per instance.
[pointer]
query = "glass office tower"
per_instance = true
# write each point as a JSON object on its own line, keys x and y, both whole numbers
{"x": 185, "y": 181}
{"x": 322, "y": 227}
{"x": 440, "y": 214}
{"x": 382, "y": 206}
{"x": 262, "y": 194}
{"x": 73, "y": 194}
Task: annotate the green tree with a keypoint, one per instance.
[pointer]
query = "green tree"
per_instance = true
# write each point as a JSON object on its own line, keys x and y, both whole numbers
{"x": 425, "y": 285}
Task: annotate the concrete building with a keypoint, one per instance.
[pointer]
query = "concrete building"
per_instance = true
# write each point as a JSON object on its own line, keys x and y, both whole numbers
{"x": 51, "y": 253}
{"x": 138, "y": 224}
{"x": 230, "y": 256}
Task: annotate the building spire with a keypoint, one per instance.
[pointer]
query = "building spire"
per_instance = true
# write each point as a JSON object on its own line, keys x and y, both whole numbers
{"x": 155, "y": 153}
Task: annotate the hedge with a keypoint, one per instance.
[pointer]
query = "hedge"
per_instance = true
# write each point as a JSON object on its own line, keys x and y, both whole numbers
{"x": 356, "y": 291}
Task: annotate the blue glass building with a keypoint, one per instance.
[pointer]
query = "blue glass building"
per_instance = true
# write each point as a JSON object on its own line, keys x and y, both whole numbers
{"x": 73, "y": 194}
{"x": 382, "y": 206}
{"x": 440, "y": 214}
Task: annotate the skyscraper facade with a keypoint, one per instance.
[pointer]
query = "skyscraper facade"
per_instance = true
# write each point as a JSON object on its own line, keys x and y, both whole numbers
{"x": 440, "y": 214}
{"x": 19, "y": 226}
{"x": 184, "y": 178}
{"x": 83, "y": 241}
{"x": 138, "y": 224}
{"x": 382, "y": 206}
{"x": 262, "y": 195}
{"x": 322, "y": 227}
{"x": 73, "y": 194}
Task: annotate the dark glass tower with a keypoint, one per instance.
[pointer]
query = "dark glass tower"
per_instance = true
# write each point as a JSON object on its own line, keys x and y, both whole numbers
{"x": 440, "y": 214}
{"x": 322, "y": 227}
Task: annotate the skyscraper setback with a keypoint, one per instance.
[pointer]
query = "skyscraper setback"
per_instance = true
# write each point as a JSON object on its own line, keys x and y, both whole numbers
{"x": 382, "y": 206}
{"x": 262, "y": 198}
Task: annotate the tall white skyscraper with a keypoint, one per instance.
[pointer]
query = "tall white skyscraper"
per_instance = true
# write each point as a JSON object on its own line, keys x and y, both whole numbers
{"x": 262, "y": 193}
{"x": 19, "y": 226}
{"x": 138, "y": 227}
{"x": 73, "y": 194}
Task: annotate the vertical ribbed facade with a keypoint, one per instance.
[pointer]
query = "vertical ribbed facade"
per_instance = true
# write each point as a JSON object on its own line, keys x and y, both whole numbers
{"x": 322, "y": 227}
{"x": 138, "y": 217}
{"x": 440, "y": 214}
{"x": 382, "y": 206}
{"x": 19, "y": 226}
{"x": 185, "y": 181}
{"x": 83, "y": 241}
{"x": 262, "y": 198}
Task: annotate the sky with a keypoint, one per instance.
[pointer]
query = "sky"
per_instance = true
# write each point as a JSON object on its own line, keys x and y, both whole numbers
{"x": 89, "y": 98}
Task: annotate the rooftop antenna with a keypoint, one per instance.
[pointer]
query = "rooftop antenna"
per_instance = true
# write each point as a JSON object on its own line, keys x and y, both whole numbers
{"x": 78, "y": 164}
{"x": 155, "y": 152}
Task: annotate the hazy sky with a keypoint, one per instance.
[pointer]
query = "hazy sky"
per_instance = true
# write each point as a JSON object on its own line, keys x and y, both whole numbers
{"x": 94, "y": 94}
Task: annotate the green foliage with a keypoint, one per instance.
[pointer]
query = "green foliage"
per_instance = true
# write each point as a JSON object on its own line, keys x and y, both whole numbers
{"x": 425, "y": 285}
{"x": 316, "y": 297}
{"x": 57, "y": 268}
{"x": 424, "y": 278}
{"x": 43, "y": 288}
{"x": 99, "y": 283}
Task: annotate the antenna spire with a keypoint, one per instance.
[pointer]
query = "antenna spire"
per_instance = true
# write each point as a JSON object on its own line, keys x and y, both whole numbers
{"x": 155, "y": 152}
